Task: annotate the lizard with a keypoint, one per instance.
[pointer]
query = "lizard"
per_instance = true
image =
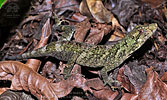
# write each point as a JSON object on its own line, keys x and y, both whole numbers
{"x": 108, "y": 57}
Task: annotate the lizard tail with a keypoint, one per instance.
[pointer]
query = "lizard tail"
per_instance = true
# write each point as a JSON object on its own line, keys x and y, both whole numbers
{"x": 22, "y": 56}
{"x": 33, "y": 54}
{"x": 13, "y": 57}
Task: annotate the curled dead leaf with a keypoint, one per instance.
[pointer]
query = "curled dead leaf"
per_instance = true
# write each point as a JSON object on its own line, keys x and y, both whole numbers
{"x": 96, "y": 9}
{"x": 23, "y": 77}
{"x": 154, "y": 88}
{"x": 84, "y": 10}
{"x": 124, "y": 80}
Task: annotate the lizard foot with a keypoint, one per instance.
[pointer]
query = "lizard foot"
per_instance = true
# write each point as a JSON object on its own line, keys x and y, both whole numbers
{"x": 114, "y": 84}
{"x": 67, "y": 75}
{"x": 67, "y": 71}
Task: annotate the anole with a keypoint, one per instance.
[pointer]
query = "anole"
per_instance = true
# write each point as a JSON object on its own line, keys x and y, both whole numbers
{"x": 107, "y": 56}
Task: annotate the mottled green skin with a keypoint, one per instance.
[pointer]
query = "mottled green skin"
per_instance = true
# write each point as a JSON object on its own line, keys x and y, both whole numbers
{"x": 106, "y": 56}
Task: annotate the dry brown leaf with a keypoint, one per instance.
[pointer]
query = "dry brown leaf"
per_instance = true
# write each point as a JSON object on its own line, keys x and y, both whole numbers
{"x": 154, "y": 88}
{"x": 136, "y": 75}
{"x": 99, "y": 90}
{"x": 84, "y": 10}
{"x": 63, "y": 5}
{"x": 60, "y": 6}
{"x": 124, "y": 80}
{"x": 78, "y": 17}
{"x": 95, "y": 83}
{"x": 99, "y": 12}
{"x": 81, "y": 30}
{"x": 95, "y": 36}
{"x": 164, "y": 77}
{"x": 105, "y": 94}
{"x": 128, "y": 96}
{"x": 153, "y": 3}
{"x": 23, "y": 77}
{"x": 97, "y": 33}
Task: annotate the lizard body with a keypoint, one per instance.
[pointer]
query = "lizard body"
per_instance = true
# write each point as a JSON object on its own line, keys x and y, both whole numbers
{"x": 107, "y": 56}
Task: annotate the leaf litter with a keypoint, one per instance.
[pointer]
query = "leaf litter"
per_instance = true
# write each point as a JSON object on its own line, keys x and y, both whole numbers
{"x": 143, "y": 76}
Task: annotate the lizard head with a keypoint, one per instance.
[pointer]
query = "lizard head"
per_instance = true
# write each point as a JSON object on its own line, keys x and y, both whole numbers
{"x": 143, "y": 32}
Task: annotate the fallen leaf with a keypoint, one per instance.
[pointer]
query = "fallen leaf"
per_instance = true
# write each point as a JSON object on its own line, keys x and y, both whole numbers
{"x": 154, "y": 3}
{"x": 99, "y": 91}
{"x": 97, "y": 33}
{"x": 95, "y": 36}
{"x": 60, "y": 6}
{"x": 129, "y": 96}
{"x": 154, "y": 88}
{"x": 125, "y": 83}
{"x": 164, "y": 77}
{"x": 99, "y": 12}
{"x": 63, "y": 5}
{"x": 23, "y": 77}
{"x": 78, "y": 17}
{"x": 136, "y": 75}
{"x": 124, "y": 10}
{"x": 84, "y": 10}
{"x": 81, "y": 30}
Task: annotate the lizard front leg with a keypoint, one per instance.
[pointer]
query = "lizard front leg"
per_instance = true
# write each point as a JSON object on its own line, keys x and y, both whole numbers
{"x": 108, "y": 79}
{"x": 69, "y": 66}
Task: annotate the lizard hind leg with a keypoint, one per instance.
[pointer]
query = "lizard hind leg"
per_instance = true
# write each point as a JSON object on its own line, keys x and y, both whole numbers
{"x": 114, "y": 84}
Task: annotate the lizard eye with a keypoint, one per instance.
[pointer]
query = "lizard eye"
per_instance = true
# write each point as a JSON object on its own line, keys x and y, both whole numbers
{"x": 141, "y": 31}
